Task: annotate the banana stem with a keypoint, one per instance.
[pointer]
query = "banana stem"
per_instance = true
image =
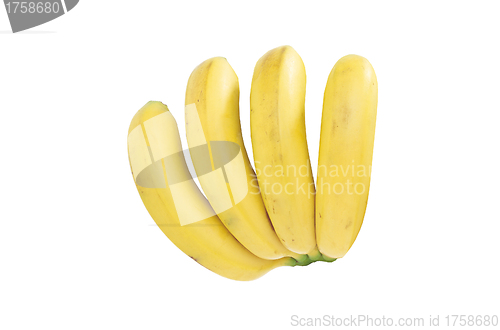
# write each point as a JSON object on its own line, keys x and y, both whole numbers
{"x": 306, "y": 262}
{"x": 301, "y": 258}
{"x": 327, "y": 259}
{"x": 315, "y": 255}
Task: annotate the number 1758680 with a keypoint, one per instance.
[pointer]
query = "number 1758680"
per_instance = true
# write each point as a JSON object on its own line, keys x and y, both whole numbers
{"x": 32, "y": 7}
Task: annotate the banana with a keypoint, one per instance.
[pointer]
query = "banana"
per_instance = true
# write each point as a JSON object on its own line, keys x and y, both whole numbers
{"x": 177, "y": 206}
{"x": 345, "y": 154}
{"x": 277, "y": 119}
{"x": 212, "y": 115}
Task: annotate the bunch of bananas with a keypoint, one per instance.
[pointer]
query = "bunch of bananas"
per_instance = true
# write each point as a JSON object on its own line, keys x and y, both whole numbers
{"x": 253, "y": 221}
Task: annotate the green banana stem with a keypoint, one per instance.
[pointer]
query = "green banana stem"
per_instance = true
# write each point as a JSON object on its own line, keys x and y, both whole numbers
{"x": 315, "y": 255}
{"x": 305, "y": 262}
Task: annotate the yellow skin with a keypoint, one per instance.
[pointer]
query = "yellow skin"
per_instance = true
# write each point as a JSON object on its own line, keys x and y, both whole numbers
{"x": 277, "y": 119}
{"x": 206, "y": 241}
{"x": 347, "y": 137}
{"x": 214, "y": 88}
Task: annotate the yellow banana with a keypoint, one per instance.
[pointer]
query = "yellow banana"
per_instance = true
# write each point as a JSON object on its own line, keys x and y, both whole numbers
{"x": 345, "y": 154}
{"x": 175, "y": 203}
{"x": 214, "y": 137}
{"x": 277, "y": 119}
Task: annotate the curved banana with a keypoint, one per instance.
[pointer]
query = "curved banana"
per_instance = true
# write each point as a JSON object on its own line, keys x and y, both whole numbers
{"x": 212, "y": 114}
{"x": 175, "y": 203}
{"x": 345, "y": 154}
{"x": 277, "y": 120}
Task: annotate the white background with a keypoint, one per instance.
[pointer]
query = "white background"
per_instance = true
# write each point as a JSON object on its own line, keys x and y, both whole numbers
{"x": 78, "y": 249}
